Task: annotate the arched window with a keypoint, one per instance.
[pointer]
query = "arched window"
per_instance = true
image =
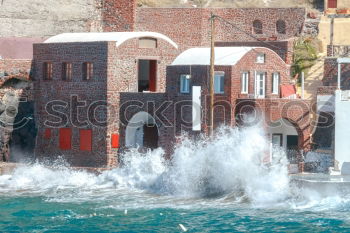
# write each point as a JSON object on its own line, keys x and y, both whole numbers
{"x": 281, "y": 27}
{"x": 257, "y": 27}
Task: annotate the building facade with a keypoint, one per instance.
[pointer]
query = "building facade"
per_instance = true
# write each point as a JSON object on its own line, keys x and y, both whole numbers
{"x": 78, "y": 81}
{"x": 249, "y": 82}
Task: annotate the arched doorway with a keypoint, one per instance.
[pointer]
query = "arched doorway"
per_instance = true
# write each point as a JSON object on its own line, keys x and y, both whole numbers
{"x": 283, "y": 134}
{"x": 142, "y": 132}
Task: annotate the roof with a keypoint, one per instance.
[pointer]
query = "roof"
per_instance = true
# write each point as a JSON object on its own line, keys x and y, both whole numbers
{"x": 226, "y": 56}
{"x": 118, "y": 37}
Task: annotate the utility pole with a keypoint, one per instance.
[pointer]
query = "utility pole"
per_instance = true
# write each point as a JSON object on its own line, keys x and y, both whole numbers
{"x": 212, "y": 74}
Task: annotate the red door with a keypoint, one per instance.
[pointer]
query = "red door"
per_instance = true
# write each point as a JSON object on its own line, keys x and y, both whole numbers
{"x": 332, "y": 3}
{"x": 86, "y": 139}
{"x": 65, "y": 138}
{"x": 153, "y": 75}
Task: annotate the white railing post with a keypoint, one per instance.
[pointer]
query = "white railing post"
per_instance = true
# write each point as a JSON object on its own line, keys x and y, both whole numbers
{"x": 339, "y": 74}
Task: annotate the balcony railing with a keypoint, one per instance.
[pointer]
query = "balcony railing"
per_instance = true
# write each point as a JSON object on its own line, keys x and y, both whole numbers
{"x": 338, "y": 50}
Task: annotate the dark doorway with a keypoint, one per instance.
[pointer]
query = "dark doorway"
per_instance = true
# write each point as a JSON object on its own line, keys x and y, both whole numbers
{"x": 150, "y": 136}
{"x": 24, "y": 133}
{"x": 292, "y": 147}
{"x": 147, "y": 75}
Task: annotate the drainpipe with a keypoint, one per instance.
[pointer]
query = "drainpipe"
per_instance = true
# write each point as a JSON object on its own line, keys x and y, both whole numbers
{"x": 339, "y": 74}
{"x": 302, "y": 84}
{"x": 332, "y": 31}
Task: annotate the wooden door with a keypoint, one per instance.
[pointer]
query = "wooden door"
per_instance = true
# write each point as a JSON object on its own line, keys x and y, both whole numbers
{"x": 153, "y": 76}
{"x": 150, "y": 136}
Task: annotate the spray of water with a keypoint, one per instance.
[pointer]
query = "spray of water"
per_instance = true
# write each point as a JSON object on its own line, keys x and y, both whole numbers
{"x": 229, "y": 164}
{"x": 227, "y": 167}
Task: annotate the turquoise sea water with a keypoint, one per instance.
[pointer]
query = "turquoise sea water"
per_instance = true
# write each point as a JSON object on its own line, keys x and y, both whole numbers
{"x": 40, "y": 214}
{"x": 209, "y": 186}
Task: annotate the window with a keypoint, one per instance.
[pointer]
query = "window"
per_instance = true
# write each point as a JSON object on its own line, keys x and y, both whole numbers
{"x": 47, "y": 70}
{"x": 260, "y": 85}
{"x": 65, "y": 138}
{"x": 147, "y": 75}
{"x": 219, "y": 79}
{"x": 260, "y": 58}
{"x": 66, "y": 71}
{"x": 185, "y": 83}
{"x": 277, "y": 140}
{"x": 275, "y": 83}
{"x": 147, "y": 43}
{"x": 88, "y": 70}
{"x": 244, "y": 83}
{"x": 257, "y": 27}
{"x": 281, "y": 27}
{"x": 85, "y": 140}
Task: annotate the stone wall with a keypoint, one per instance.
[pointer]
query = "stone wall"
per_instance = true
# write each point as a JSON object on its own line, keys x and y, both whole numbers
{"x": 37, "y": 18}
{"x": 175, "y": 117}
{"x": 123, "y": 62}
{"x": 10, "y": 67}
{"x": 89, "y": 104}
{"x": 190, "y": 26}
{"x": 282, "y": 48}
{"x": 70, "y": 94}
{"x": 296, "y": 112}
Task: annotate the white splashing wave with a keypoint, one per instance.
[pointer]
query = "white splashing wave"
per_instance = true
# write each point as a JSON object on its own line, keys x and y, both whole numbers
{"x": 228, "y": 167}
{"x": 229, "y": 163}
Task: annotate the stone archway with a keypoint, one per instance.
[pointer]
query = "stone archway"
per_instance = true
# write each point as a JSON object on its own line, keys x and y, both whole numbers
{"x": 142, "y": 131}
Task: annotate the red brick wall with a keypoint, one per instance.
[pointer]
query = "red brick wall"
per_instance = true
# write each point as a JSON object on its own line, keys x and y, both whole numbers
{"x": 282, "y": 48}
{"x": 115, "y": 71}
{"x": 15, "y": 66}
{"x": 296, "y": 112}
{"x": 150, "y": 103}
{"x": 118, "y": 15}
{"x": 190, "y": 26}
{"x": 179, "y": 111}
{"x": 57, "y": 89}
{"x": 331, "y": 74}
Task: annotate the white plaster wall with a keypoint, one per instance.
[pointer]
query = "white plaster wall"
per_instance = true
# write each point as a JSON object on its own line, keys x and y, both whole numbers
{"x": 325, "y": 103}
{"x": 134, "y": 130}
{"x": 283, "y": 127}
{"x": 342, "y": 132}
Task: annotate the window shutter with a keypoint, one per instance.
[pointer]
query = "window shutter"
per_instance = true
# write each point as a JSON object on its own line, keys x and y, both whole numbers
{"x": 65, "y": 138}
{"x": 115, "y": 140}
{"x": 86, "y": 139}
{"x": 222, "y": 81}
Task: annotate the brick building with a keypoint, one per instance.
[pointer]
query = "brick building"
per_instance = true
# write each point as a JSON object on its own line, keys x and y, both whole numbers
{"x": 248, "y": 81}
{"x": 84, "y": 72}
{"x": 78, "y": 80}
